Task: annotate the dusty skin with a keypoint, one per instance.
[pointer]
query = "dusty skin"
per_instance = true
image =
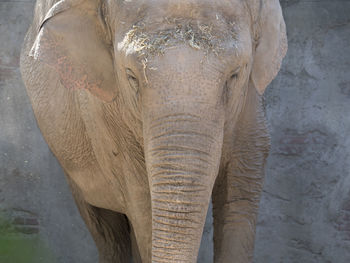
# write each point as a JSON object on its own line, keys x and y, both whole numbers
{"x": 152, "y": 107}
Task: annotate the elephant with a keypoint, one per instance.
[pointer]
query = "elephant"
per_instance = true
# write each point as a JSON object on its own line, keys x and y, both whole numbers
{"x": 154, "y": 109}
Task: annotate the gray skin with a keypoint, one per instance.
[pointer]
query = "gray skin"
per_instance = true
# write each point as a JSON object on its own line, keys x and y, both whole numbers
{"x": 152, "y": 107}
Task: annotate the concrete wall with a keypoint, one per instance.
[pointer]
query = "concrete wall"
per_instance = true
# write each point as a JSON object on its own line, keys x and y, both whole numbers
{"x": 305, "y": 208}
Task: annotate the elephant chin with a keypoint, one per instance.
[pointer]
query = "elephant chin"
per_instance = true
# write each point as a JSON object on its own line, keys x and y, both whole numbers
{"x": 183, "y": 152}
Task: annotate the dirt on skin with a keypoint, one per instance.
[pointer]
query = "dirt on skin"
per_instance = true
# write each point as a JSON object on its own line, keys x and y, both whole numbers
{"x": 197, "y": 36}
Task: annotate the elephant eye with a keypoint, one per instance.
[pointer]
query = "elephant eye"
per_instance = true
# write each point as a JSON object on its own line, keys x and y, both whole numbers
{"x": 133, "y": 82}
{"x": 234, "y": 74}
{"x": 230, "y": 84}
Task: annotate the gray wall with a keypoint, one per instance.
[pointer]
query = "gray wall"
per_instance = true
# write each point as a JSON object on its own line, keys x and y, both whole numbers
{"x": 305, "y": 208}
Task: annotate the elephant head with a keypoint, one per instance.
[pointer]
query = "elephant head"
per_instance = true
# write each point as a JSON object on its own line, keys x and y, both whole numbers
{"x": 181, "y": 72}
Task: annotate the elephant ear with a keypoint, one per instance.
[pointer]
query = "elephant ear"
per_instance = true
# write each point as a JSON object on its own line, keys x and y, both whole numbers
{"x": 73, "y": 40}
{"x": 271, "y": 46}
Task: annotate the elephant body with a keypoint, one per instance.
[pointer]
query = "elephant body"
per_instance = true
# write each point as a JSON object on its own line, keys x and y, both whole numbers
{"x": 149, "y": 117}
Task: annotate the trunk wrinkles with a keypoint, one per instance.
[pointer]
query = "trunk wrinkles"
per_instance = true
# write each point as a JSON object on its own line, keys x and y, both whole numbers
{"x": 180, "y": 164}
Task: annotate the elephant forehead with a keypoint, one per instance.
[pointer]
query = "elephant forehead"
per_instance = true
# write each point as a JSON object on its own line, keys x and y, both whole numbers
{"x": 156, "y": 14}
{"x": 188, "y": 8}
{"x": 200, "y": 36}
{"x": 181, "y": 73}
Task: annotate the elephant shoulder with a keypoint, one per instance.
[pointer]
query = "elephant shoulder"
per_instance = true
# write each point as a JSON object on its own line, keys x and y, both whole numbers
{"x": 57, "y": 112}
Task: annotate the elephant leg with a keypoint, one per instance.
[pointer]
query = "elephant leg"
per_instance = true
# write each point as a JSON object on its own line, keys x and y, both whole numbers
{"x": 110, "y": 230}
{"x": 237, "y": 190}
{"x": 235, "y": 206}
{"x": 141, "y": 229}
{"x": 134, "y": 247}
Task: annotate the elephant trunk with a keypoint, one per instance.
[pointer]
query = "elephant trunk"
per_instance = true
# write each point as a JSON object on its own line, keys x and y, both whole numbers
{"x": 183, "y": 152}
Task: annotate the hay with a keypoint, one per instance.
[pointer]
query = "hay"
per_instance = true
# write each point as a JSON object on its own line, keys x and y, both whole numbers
{"x": 197, "y": 36}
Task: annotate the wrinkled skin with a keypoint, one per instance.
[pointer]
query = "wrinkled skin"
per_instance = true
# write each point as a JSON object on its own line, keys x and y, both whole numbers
{"x": 152, "y": 107}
